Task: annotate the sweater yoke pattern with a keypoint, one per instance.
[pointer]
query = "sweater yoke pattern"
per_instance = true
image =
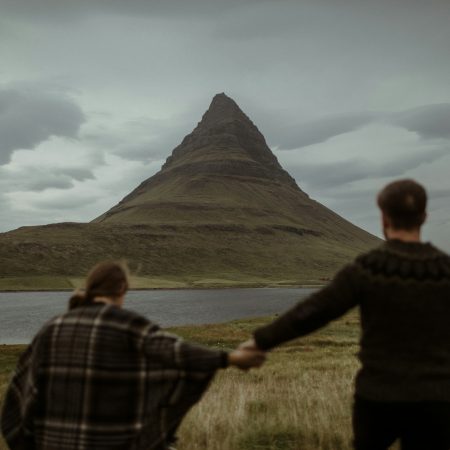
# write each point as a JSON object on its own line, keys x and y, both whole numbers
{"x": 406, "y": 263}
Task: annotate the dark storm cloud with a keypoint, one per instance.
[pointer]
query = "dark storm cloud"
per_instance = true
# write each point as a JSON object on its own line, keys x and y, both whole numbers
{"x": 328, "y": 175}
{"x": 29, "y": 116}
{"x": 429, "y": 121}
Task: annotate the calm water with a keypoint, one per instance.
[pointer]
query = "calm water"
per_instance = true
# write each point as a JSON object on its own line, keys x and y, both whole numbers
{"x": 22, "y": 314}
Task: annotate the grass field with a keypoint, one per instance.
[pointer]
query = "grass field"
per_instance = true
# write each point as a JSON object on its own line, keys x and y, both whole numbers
{"x": 301, "y": 398}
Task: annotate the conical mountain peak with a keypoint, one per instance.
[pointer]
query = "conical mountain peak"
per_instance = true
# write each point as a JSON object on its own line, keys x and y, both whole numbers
{"x": 225, "y": 148}
{"x": 223, "y": 109}
{"x": 227, "y": 143}
{"x": 221, "y": 208}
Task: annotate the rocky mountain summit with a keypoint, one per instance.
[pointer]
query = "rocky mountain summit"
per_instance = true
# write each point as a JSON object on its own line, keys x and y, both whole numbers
{"x": 221, "y": 211}
{"x": 226, "y": 142}
{"x": 225, "y": 149}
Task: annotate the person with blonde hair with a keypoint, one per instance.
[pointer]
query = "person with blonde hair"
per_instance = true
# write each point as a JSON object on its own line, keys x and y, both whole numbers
{"x": 102, "y": 377}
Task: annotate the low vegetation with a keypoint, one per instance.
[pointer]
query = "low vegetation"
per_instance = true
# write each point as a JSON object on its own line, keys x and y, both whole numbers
{"x": 67, "y": 283}
{"x": 301, "y": 399}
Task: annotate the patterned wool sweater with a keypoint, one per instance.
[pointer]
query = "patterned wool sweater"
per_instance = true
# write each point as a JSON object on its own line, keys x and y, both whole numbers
{"x": 403, "y": 291}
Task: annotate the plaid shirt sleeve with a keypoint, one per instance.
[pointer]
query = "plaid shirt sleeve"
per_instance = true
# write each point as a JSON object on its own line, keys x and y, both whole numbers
{"x": 194, "y": 365}
{"x": 173, "y": 352}
{"x": 17, "y": 414}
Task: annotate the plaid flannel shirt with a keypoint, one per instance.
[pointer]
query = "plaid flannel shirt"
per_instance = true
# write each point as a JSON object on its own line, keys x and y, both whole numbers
{"x": 101, "y": 377}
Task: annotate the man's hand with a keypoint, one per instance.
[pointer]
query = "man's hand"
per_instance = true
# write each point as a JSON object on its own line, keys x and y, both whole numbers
{"x": 249, "y": 345}
{"x": 245, "y": 359}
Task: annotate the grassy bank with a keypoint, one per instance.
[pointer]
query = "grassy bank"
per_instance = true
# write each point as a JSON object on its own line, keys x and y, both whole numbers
{"x": 301, "y": 399}
{"x": 60, "y": 283}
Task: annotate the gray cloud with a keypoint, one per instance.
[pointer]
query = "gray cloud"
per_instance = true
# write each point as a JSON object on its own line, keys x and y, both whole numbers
{"x": 327, "y": 175}
{"x": 63, "y": 203}
{"x": 49, "y": 182}
{"x": 428, "y": 121}
{"x": 330, "y": 174}
{"x": 39, "y": 179}
{"x": 151, "y": 150}
{"x": 55, "y": 9}
{"x": 179, "y": 8}
{"x": 142, "y": 139}
{"x": 320, "y": 130}
{"x": 77, "y": 173}
{"x": 440, "y": 194}
{"x": 29, "y": 116}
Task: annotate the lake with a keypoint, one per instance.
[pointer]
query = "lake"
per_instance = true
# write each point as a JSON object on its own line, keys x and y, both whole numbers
{"x": 23, "y": 313}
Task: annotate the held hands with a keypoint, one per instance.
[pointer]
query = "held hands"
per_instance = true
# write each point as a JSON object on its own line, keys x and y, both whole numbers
{"x": 247, "y": 356}
{"x": 249, "y": 345}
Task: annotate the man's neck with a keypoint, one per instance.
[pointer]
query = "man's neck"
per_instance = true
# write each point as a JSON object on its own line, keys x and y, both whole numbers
{"x": 404, "y": 235}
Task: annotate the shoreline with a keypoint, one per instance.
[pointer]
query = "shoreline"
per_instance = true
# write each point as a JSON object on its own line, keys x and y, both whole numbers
{"x": 187, "y": 288}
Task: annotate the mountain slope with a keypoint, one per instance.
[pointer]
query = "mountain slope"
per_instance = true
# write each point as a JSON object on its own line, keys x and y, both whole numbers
{"x": 224, "y": 173}
{"x": 221, "y": 208}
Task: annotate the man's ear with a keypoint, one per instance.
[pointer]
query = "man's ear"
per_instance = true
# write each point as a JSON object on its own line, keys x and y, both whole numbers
{"x": 424, "y": 217}
{"x": 385, "y": 221}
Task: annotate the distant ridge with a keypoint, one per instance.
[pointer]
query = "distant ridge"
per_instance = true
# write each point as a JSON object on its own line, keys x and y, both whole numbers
{"x": 221, "y": 211}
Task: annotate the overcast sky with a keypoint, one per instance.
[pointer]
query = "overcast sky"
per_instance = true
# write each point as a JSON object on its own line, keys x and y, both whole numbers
{"x": 95, "y": 94}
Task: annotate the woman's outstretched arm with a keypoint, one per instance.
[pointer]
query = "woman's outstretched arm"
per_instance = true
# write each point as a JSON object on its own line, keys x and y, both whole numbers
{"x": 171, "y": 351}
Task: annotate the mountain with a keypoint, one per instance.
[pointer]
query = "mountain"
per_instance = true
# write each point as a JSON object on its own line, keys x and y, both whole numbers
{"x": 221, "y": 210}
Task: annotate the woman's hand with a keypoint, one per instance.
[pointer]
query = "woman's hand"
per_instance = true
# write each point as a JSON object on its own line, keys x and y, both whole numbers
{"x": 246, "y": 358}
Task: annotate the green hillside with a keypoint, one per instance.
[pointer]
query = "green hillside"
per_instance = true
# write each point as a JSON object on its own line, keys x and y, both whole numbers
{"x": 221, "y": 212}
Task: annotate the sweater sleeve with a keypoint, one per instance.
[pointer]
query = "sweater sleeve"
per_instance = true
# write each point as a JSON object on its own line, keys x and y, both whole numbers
{"x": 172, "y": 352}
{"x": 327, "y": 304}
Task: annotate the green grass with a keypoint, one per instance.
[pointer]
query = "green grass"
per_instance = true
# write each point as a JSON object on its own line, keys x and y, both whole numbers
{"x": 36, "y": 283}
{"x": 8, "y": 358}
{"x": 56, "y": 283}
{"x": 207, "y": 246}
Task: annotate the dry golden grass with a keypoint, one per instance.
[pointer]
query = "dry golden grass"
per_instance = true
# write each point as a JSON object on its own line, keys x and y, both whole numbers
{"x": 301, "y": 399}
{"x": 282, "y": 407}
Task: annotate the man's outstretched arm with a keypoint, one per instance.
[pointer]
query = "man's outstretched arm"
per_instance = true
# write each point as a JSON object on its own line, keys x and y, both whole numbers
{"x": 329, "y": 303}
